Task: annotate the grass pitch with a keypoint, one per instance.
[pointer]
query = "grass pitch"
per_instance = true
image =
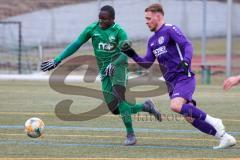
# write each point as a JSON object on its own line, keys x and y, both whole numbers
{"x": 103, "y": 137}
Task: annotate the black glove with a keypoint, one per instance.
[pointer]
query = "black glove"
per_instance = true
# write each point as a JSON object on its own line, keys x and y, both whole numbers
{"x": 49, "y": 65}
{"x": 185, "y": 66}
{"x": 110, "y": 70}
{"x": 125, "y": 45}
{"x": 126, "y": 48}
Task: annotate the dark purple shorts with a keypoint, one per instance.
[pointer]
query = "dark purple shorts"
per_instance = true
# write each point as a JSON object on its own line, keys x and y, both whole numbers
{"x": 183, "y": 88}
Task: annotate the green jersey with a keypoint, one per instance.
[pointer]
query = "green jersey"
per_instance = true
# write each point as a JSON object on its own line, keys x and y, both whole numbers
{"x": 105, "y": 44}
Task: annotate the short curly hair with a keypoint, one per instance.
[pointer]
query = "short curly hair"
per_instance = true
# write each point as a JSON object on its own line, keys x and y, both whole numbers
{"x": 109, "y": 9}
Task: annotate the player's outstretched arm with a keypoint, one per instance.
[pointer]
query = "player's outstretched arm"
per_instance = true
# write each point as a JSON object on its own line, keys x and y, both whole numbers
{"x": 230, "y": 82}
{"x": 53, "y": 63}
{"x": 68, "y": 51}
{"x": 145, "y": 62}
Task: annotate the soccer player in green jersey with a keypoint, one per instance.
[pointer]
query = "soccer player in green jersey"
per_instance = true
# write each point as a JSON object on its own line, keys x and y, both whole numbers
{"x": 112, "y": 65}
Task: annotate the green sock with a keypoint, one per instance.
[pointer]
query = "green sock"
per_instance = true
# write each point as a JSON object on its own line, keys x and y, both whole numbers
{"x": 137, "y": 108}
{"x": 125, "y": 112}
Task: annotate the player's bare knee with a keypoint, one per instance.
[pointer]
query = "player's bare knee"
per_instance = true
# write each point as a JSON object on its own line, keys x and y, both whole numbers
{"x": 177, "y": 103}
{"x": 115, "y": 112}
{"x": 113, "y": 107}
{"x": 175, "y": 107}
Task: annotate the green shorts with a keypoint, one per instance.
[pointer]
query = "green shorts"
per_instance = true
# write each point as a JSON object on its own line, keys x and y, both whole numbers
{"x": 119, "y": 77}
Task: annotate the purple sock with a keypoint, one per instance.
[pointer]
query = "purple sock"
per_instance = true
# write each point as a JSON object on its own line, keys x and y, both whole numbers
{"x": 189, "y": 110}
{"x": 204, "y": 127}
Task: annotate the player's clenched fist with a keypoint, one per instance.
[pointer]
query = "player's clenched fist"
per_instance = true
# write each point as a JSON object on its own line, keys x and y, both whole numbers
{"x": 126, "y": 48}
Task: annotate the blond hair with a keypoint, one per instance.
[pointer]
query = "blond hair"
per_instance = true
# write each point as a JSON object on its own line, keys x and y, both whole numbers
{"x": 156, "y": 7}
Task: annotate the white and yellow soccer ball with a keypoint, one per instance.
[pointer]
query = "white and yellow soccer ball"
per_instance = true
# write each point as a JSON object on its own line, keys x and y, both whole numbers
{"x": 34, "y": 127}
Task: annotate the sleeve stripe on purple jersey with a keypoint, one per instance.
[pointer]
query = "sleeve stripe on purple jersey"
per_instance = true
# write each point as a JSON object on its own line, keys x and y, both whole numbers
{"x": 181, "y": 57}
{"x": 179, "y": 52}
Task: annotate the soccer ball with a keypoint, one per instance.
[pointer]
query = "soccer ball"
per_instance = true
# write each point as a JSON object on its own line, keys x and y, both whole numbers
{"x": 34, "y": 127}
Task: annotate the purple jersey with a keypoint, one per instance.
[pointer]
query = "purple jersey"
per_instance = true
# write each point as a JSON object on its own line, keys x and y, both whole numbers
{"x": 164, "y": 45}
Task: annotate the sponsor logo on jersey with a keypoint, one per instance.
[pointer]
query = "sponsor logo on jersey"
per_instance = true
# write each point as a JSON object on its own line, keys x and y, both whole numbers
{"x": 111, "y": 38}
{"x": 161, "y": 40}
{"x": 106, "y": 46}
{"x": 161, "y": 50}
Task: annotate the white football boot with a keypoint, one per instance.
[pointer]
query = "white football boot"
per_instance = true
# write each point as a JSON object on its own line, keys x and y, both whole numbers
{"x": 219, "y": 128}
{"x": 226, "y": 140}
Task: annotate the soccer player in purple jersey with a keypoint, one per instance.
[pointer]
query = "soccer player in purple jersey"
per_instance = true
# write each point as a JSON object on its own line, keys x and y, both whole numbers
{"x": 173, "y": 52}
